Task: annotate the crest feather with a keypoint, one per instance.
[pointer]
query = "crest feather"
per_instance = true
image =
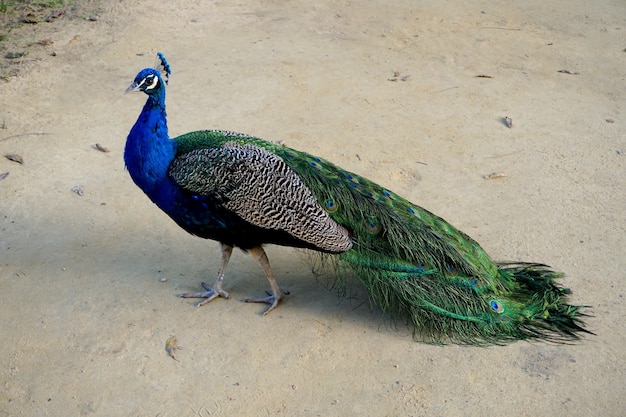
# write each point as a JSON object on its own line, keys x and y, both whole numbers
{"x": 163, "y": 67}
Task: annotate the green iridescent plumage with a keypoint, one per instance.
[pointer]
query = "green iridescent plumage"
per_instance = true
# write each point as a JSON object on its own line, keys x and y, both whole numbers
{"x": 416, "y": 265}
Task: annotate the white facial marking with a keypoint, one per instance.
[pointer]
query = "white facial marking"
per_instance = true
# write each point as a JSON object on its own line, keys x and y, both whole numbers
{"x": 155, "y": 81}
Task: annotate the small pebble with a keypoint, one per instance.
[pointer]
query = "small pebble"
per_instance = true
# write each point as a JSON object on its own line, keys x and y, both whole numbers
{"x": 15, "y": 55}
{"x": 101, "y": 148}
{"x": 494, "y": 175}
{"x": 79, "y": 190}
{"x": 15, "y": 158}
{"x": 163, "y": 279}
{"x": 31, "y": 18}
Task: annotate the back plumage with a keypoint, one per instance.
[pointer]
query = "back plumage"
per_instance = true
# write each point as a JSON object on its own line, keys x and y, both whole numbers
{"x": 246, "y": 192}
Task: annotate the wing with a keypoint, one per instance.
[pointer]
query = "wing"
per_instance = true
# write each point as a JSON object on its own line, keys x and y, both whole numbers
{"x": 260, "y": 188}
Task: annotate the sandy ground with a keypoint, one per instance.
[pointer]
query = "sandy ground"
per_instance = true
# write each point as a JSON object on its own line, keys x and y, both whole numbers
{"x": 88, "y": 283}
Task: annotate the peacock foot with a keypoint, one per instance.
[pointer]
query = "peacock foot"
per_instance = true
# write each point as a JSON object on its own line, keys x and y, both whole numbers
{"x": 271, "y": 299}
{"x": 208, "y": 295}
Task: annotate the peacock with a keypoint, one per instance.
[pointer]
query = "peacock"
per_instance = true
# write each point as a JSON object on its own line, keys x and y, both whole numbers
{"x": 245, "y": 192}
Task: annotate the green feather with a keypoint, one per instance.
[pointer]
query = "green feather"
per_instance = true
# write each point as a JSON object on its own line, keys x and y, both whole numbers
{"x": 416, "y": 265}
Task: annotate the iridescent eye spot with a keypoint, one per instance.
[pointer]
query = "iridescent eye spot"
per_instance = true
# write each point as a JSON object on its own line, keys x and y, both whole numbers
{"x": 331, "y": 206}
{"x": 451, "y": 271}
{"x": 497, "y": 307}
{"x": 414, "y": 212}
{"x": 387, "y": 193}
{"x": 315, "y": 165}
{"x": 423, "y": 265}
{"x": 372, "y": 225}
{"x": 351, "y": 178}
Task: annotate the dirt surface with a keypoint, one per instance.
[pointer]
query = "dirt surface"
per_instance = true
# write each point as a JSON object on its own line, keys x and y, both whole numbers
{"x": 413, "y": 95}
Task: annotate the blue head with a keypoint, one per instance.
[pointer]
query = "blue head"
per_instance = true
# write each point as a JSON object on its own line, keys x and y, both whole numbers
{"x": 151, "y": 80}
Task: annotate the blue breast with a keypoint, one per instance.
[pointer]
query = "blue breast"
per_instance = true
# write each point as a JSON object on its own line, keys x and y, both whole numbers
{"x": 148, "y": 154}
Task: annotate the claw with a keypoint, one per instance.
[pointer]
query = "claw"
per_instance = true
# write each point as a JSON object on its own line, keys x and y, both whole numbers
{"x": 208, "y": 295}
{"x": 216, "y": 290}
{"x": 271, "y": 299}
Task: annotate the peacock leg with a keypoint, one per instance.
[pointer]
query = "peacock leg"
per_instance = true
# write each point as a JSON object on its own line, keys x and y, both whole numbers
{"x": 276, "y": 294}
{"x": 216, "y": 290}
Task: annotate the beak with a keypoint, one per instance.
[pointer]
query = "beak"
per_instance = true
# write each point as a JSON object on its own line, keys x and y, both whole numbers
{"x": 133, "y": 87}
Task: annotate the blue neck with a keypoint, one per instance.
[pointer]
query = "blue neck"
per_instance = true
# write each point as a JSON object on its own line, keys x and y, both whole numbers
{"x": 149, "y": 150}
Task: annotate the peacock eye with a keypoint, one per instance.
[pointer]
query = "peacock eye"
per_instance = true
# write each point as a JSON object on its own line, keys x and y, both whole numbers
{"x": 150, "y": 82}
{"x": 497, "y": 307}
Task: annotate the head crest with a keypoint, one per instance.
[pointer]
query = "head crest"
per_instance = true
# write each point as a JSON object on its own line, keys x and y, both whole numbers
{"x": 163, "y": 67}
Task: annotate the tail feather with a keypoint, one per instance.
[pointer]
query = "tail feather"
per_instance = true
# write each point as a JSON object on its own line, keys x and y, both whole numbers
{"x": 416, "y": 265}
{"x": 451, "y": 311}
{"x": 549, "y": 315}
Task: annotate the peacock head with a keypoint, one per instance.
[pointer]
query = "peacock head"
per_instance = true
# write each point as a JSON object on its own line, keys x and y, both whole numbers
{"x": 150, "y": 80}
